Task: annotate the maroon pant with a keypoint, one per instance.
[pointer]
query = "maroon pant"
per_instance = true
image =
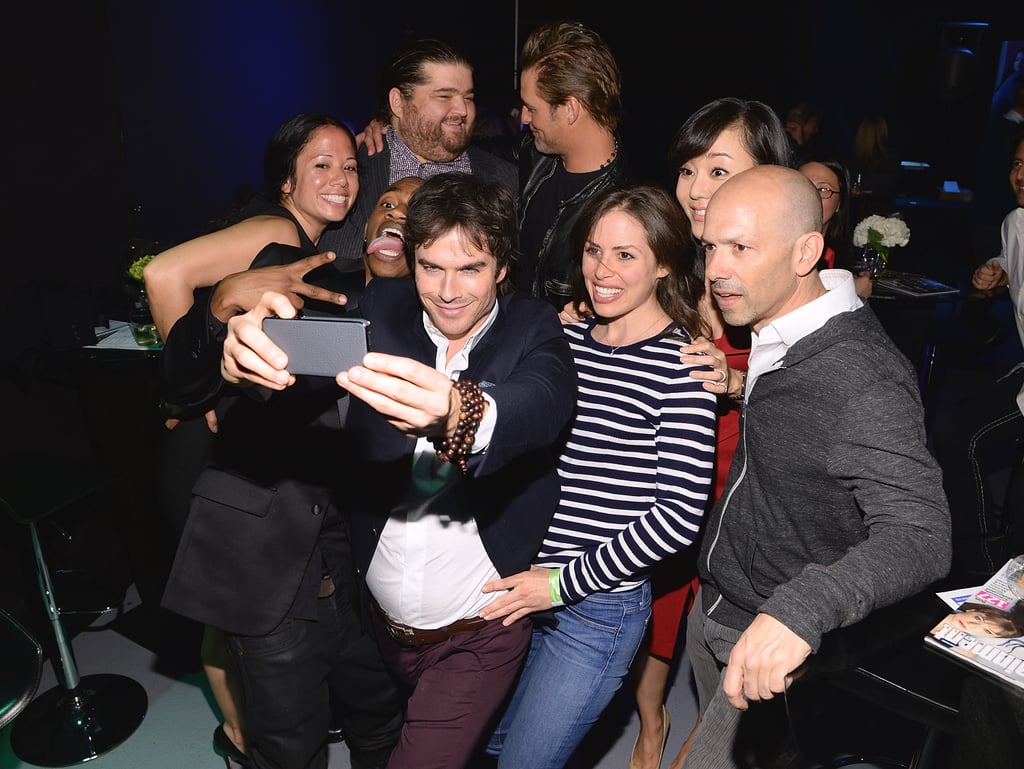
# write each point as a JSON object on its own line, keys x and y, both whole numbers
{"x": 456, "y": 689}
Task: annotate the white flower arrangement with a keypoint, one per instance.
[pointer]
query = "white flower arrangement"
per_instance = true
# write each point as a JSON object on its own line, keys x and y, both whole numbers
{"x": 882, "y": 233}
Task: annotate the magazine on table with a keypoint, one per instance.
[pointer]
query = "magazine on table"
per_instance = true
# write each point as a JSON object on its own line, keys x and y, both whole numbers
{"x": 985, "y": 629}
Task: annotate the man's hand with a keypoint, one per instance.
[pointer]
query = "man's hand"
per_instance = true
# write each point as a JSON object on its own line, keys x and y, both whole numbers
{"x": 241, "y": 291}
{"x": 372, "y": 136}
{"x": 762, "y": 661}
{"x": 528, "y": 592}
{"x": 417, "y": 399}
{"x": 990, "y": 275}
{"x": 249, "y": 355}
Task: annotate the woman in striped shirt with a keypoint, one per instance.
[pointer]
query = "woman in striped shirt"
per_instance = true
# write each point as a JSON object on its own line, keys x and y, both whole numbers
{"x": 636, "y": 471}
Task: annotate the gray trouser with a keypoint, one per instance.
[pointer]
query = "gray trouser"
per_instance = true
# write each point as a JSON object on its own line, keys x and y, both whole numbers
{"x": 727, "y": 737}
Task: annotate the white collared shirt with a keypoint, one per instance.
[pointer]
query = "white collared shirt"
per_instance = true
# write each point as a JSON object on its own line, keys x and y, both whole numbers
{"x": 769, "y": 347}
{"x": 428, "y": 569}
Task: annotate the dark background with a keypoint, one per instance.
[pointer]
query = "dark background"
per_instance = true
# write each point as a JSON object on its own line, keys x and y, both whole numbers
{"x": 134, "y": 122}
{"x": 130, "y": 119}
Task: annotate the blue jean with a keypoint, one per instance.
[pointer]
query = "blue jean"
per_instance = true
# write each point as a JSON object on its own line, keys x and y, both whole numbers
{"x": 572, "y": 672}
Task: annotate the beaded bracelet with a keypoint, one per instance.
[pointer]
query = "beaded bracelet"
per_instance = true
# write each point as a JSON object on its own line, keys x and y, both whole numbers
{"x": 743, "y": 385}
{"x": 471, "y": 411}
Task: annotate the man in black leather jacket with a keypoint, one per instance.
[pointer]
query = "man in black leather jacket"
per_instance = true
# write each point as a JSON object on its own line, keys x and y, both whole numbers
{"x": 570, "y": 88}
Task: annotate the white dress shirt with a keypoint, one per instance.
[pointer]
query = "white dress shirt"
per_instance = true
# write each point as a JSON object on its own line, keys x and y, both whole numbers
{"x": 769, "y": 347}
{"x": 428, "y": 570}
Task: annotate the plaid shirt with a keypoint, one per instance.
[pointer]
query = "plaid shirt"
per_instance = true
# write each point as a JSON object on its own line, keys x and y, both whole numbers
{"x": 405, "y": 163}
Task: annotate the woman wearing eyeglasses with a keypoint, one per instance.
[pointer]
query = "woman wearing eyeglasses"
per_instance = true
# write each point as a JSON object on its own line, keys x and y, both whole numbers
{"x": 832, "y": 180}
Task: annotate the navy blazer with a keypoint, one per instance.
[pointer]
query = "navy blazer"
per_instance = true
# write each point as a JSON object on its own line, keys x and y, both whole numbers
{"x": 525, "y": 364}
{"x": 346, "y": 240}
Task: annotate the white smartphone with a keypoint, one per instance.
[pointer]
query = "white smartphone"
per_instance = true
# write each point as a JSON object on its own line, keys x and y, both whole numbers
{"x": 320, "y": 345}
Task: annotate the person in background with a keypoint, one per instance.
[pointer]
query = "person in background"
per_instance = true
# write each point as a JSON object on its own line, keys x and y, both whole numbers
{"x": 453, "y": 420}
{"x": 991, "y": 199}
{"x": 310, "y": 168}
{"x": 875, "y": 166}
{"x": 425, "y": 121}
{"x": 802, "y": 124}
{"x": 570, "y": 87}
{"x": 776, "y": 571}
{"x": 990, "y": 421}
{"x": 718, "y": 140}
{"x": 635, "y": 473}
{"x": 832, "y": 180}
{"x": 1003, "y": 96}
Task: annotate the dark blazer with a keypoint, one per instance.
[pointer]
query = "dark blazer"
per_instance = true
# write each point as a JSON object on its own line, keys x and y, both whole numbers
{"x": 262, "y": 526}
{"x": 251, "y": 551}
{"x": 524, "y": 363}
{"x": 346, "y": 238}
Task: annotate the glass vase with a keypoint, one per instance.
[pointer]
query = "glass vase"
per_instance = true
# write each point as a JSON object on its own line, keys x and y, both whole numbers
{"x": 141, "y": 321}
{"x": 867, "y": 260}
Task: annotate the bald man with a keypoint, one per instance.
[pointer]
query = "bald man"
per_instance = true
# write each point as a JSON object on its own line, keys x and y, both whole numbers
{"x": 833, "y": 505}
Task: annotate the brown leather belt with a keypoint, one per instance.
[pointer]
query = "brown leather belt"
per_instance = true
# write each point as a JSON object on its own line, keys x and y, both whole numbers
{"x": 413, "y": 637}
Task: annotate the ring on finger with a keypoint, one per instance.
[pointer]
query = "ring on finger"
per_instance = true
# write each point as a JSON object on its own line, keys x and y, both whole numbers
{"x": 725, "y": 376}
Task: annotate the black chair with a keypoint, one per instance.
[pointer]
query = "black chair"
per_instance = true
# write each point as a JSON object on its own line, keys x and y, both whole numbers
{"x": 83, "y": 716}
{"x": 954, "y": 339}
{"x": 21, "y": 665}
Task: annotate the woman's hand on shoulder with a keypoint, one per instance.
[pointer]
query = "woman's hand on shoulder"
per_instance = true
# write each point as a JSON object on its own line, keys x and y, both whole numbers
{"x": 573, "y": 313}
{"x": 703, "y": 352}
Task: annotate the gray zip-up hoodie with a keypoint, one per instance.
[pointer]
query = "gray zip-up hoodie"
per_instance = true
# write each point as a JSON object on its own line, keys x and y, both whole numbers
{"x": 833, "y": 506}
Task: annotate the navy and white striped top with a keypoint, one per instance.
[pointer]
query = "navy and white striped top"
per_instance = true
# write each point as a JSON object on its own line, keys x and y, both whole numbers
{"x": 638, "y": 466}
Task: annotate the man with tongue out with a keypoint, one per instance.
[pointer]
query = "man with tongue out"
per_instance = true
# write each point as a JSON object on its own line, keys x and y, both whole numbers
{"x": 384, "y": 232}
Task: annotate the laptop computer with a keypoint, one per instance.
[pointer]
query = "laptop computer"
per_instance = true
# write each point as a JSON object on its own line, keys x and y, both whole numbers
{"x": 912, "y": 284}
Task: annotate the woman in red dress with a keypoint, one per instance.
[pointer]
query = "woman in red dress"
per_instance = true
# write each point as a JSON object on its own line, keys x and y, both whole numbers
{"x": 717, "y": 141}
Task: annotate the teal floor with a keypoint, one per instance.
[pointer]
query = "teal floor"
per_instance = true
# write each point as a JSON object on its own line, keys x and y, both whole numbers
{"x": 176, "y": 732}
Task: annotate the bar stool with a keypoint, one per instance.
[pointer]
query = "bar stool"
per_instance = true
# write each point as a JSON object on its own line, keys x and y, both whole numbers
{"x": 21, "y": 665}
{"x": 83, "y": 716}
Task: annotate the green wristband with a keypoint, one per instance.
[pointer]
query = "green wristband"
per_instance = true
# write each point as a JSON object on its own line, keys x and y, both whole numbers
{"x": 555, "y": 588}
